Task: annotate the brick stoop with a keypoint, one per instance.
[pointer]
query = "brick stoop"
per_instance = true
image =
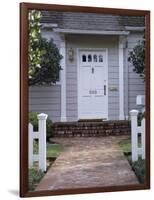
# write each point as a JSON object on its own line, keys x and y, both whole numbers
{"x": 89, "y": 129}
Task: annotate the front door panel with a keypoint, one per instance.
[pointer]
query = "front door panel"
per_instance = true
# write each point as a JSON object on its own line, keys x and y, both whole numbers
{"x": 93, "y": 85}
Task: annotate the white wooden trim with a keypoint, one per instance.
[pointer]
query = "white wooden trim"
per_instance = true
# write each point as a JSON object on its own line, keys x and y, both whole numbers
{"x": 30, "y": 144}
{"x": 135, "y": 129}
{"x": 41, "y": 136}
{"x": 79, "y": 31}
{"x": 134, "y": 145}
{"x": 78, "y": 87}
{"x": 35, "y": 135}
{"x": 130, "y": 28}
{"x": 126, "y": 112}
{"x": 49, "y": 25}
{"x": 78, "y": 78}
{"x": 42, "y": 140}
{"x": 57, "y": 83}
{"x": 107, "y": 83}
{"x": 121, "y": 78}
{"x": 63, "y": 78}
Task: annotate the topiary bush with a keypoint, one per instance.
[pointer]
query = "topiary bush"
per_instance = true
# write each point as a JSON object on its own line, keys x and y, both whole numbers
{"x": 34, "y": 121}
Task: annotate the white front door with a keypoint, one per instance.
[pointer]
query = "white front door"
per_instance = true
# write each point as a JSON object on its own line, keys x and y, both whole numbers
{"x": 92, "y": 91}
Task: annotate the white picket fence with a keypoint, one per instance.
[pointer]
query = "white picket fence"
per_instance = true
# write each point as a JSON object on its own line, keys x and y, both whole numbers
{"x": 41, "y": 136}
{"x": 135, "y": 130}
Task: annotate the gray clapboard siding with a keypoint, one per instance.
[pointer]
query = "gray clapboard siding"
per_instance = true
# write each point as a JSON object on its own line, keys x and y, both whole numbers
{"x": 46, "y": 94}
{"x": 114, "y": 83}
{"x": 45, "y": 106}
{"x": 113, "y": 75}
{"x": 113, "y": 94}
{"x": 71, "y": 68}
{"x": 42, "y": 101}
{"x": 114, "y": 100}
{"x": 133, "y": 93}
{"x": 131, "y": 105}
{"x": 45, "y": 88}
{"x": 72, "y": 101}
{"x": 113, "y": 69}
{"x": 113, "y": 62}
{"x": 71, "y": 106}
{"x": 134, "y": 75}
{"x": 112, "y": 112}
{"x": 72, "y": 118}
{"x": 139, "y": 87}
{"x": 46, "y": 99}
{"x": 71, "y": 81}
{"x": 71, "y": 75}
{"x": 136, "y": 81}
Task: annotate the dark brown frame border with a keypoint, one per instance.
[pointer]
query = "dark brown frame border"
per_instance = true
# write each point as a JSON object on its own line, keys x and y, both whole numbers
{"x": 24, "y": 7}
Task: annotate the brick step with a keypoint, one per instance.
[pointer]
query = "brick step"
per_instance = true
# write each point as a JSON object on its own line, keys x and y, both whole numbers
{"x": 89, "y": 129}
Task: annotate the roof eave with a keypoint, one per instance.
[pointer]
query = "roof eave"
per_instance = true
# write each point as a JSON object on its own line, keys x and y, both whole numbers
{"x": 91, "y": 32}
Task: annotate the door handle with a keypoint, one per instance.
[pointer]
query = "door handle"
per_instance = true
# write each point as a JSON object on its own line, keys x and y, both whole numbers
{"x": 104, "y": 89}
{"x": 92, "y": 70}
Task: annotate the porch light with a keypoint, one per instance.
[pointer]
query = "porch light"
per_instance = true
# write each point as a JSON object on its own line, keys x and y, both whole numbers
{"x": 71, "y": 54}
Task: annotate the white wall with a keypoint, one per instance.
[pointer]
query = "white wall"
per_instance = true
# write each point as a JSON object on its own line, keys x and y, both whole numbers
{"x": 9, "y": 101}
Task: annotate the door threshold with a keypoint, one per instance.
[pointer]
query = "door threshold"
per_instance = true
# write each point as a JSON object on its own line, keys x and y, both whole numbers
{"x": 92, "y": 120}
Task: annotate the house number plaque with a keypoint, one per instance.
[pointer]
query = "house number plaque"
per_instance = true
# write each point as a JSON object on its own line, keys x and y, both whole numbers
{"x": 92, "y": 91}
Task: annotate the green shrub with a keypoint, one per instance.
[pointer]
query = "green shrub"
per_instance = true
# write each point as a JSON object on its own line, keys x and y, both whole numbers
{"x": 34, "y": 177}
{"x": 139, "y": 169}
{"x": 140, "y": 117}
{"x": 34, "y": 121}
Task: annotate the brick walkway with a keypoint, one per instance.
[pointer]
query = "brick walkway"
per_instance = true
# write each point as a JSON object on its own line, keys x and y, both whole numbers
{"x": 89, "y": 162}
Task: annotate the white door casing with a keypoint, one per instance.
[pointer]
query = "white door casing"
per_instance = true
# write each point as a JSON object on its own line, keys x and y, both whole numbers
{"x": 92, "y": 84}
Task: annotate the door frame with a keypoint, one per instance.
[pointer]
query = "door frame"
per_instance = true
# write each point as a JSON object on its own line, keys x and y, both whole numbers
{"x": 78, "y": 76}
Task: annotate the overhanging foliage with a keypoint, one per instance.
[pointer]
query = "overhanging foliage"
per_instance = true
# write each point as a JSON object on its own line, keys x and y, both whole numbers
{"x": 43, "y": 55}
{"x": 137, "y": 58}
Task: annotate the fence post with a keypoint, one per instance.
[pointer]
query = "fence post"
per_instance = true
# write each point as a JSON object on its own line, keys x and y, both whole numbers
{"x": 42, "y": 140}
{"x": 30, "y": 144}
{"x": 143, "y": 138}
{"x": 134, "y": 134}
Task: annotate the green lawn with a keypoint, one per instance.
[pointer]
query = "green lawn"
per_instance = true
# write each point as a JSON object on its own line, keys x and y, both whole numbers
{"x": 54, "y": 150}
{"x": 138, "y": 166}
{"x": 126, "y": 146}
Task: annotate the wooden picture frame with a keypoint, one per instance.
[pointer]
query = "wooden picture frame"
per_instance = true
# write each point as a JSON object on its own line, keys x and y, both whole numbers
{"x": 24, "y": 7}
